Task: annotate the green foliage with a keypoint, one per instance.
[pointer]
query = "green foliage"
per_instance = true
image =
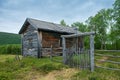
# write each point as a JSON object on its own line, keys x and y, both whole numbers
{"x": 81, "y": 27}
{"x": 62, "y": 22}
{"x": 116, "y": 7}
{"x": 10, "y": 49}
{"x": 9, "y": 38}
{"x": 106, "y": 24}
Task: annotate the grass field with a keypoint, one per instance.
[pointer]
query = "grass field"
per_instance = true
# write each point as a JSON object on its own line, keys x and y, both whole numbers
{"x": 44, "y": 69}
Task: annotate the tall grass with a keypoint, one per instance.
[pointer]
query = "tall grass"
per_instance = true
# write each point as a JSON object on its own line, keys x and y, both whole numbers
{"x": 10, "y": 49}
{"x": 12, "y": 69}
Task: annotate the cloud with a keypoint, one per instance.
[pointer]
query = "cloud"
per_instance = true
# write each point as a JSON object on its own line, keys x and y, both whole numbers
{"x": 14, "y": 12}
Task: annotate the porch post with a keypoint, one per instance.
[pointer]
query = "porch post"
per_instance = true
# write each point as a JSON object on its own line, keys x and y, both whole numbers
{"x": 64, "y": 49}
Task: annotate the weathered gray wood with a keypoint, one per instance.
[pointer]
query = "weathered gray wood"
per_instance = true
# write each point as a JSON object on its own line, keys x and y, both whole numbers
{"x": 72, "y": 51}
{"x": 79, "y": 34}
{"x": 110, "y": 50}
{"x": 64, "y": 50}
{"x": 108, "y": 68}
{"x": 29, "y": 33}
{"x": 92, "y": 52}
{"x": 107, "y": 55}
{"x": 114, "y": 62}
{"x": 40, "y": 44}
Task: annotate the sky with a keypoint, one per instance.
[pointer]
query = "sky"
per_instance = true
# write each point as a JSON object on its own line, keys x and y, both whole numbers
{"x": 14, "y": 12}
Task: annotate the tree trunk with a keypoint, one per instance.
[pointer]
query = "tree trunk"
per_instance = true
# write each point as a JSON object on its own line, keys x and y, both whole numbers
{"x": 102, "y": 44}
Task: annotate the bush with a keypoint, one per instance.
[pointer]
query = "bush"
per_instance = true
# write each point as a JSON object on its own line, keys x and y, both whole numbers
{"x": 10, "y": 49}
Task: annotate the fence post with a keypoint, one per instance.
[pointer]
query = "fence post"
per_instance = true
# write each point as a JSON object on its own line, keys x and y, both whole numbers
{"x": 64, "y": 50}
{"x": 51, "y": 53}
{"x": 92, "y": 52}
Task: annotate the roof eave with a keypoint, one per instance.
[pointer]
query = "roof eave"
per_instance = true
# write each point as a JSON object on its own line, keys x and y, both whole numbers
{"x": 23, "y": 26}
{"x": 55, "y": 31}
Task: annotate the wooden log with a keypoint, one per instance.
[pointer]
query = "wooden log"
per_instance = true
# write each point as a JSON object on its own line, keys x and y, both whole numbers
{"x": 108, "y": 68}
{"x": 92, "y": 52}
{"x": 107, "y": 55}
{"x": 64, "y": 50}
{"x": 79, "y": 34}
{"x": 114, "y": 62}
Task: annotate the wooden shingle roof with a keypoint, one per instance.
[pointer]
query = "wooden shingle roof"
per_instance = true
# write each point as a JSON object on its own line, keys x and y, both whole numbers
{"x": 48, "y": 26}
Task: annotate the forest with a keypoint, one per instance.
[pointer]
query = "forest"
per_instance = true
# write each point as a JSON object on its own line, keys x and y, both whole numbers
{"x": 105, "y": 24}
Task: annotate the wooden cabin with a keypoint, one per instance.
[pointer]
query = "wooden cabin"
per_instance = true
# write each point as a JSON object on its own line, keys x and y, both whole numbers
{"x": 38, "y": 36}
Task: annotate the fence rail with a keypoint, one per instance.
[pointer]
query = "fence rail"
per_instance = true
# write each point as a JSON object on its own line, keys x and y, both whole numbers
{"x": 107, "y": 55}
{"x": 112, "y": 62}
{"x": 108, "y": 68}
{"x": 56, "y": 54}
{"x": 110, "y": 50}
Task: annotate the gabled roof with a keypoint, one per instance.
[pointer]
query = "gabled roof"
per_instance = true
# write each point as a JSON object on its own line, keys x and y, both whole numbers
{"x": 48, "y": 26}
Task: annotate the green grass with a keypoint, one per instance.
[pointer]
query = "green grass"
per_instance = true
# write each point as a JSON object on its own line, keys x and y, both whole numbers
{"x": 80, "y": 58}
{"x": 12, "y": 69}
{"x": 43, "y": 69}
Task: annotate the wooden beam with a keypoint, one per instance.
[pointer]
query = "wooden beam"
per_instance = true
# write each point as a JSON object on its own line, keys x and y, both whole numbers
{"x": 64, "y": 50}
{"x": 92, "y": 52}
{"x": 78, "y": 34}
{"x": 107, "y": 55}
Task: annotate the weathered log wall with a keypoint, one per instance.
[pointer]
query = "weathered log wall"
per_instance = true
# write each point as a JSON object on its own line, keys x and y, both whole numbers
{"x": 30, "y": 42}
{"x": 50, "y": 39}
{"x": 72, "y": 42}
{"x": 38, "y": 43}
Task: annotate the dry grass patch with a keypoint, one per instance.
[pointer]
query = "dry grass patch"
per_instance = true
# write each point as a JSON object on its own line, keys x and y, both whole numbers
{"x": 64, "y": 74}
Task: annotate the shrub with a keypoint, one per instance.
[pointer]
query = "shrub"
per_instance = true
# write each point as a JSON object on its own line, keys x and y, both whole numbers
{"x": 10, "y": 49}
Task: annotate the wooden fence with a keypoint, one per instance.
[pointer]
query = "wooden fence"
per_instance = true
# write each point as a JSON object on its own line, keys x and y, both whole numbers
{"x": 108, "y": 61}
{"x": 79, "y": 59}
{"x": 56, "y": 54}
{"x": 74, "y": 57}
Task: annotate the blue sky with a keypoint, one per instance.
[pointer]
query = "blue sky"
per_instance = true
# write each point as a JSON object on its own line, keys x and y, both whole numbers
{"x": 14, "y": 12}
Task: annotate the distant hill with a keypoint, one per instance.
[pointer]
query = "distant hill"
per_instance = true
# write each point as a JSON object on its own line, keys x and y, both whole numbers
{"x": 9, "y": 38}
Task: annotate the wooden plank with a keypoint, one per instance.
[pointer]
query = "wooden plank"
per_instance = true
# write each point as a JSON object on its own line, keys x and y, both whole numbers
{"x": 79, "y": 34}
{"x": 92, "y": 52}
